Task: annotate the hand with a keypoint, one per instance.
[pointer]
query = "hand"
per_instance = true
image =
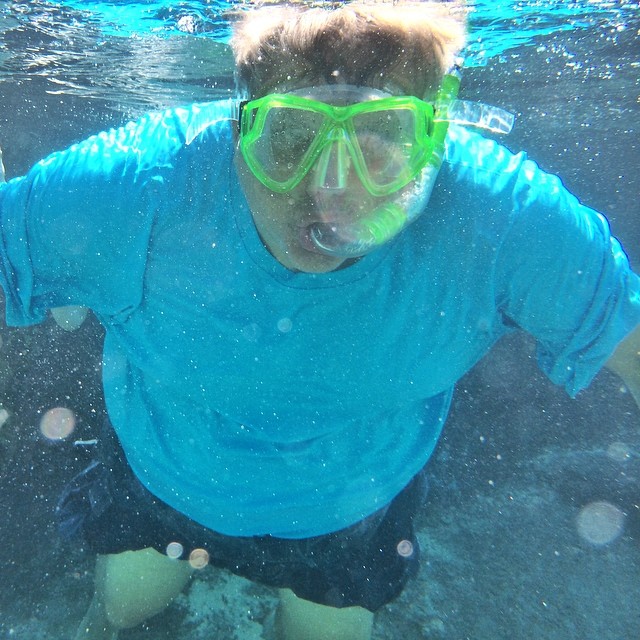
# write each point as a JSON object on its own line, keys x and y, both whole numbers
{"x": 625, "y": 362}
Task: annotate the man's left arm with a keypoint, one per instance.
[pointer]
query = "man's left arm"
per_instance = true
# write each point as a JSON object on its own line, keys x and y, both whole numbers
{"x": 625, "y": 362}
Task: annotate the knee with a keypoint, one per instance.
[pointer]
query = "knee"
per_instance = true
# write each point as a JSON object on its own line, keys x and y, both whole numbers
{"x": 300, "y": 619}
{"x": 136, "y": 585}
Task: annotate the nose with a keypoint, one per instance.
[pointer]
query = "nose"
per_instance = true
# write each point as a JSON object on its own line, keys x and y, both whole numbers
{"x": 332, "y": 169}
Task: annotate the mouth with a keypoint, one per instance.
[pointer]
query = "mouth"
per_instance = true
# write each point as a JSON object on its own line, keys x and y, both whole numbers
{"x": 331, "y": 223}
{"x": 306, "y": 238}
{"x": 322, "y": 238}
{"x": 331, "y": 220}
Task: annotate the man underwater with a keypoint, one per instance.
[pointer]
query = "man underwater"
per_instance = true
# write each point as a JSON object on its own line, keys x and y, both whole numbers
{"x": 290, "y": 289}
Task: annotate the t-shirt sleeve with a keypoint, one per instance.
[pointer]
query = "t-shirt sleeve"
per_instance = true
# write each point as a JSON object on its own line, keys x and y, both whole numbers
{"x": 75, "y": 230}
{"x": 563, "y": 277}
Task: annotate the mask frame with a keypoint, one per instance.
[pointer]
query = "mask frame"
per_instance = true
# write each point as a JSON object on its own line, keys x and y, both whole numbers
{"x": 429, "y": 122}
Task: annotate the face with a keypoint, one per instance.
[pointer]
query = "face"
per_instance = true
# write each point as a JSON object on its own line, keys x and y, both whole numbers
{"x": 283, "y": 221}
{"x": 330, "y": 196}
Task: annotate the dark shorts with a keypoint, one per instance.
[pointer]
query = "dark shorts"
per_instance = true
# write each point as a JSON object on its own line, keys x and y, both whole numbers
{"x": 366, "y": 564}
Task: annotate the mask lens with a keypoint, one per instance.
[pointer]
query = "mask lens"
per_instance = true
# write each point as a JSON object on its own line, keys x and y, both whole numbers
{"x": 286, "y": 137}
{"x": 388, "y": 142}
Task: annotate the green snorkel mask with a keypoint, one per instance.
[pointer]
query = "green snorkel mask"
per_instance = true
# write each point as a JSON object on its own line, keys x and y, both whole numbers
{"x": 394, "y": 144}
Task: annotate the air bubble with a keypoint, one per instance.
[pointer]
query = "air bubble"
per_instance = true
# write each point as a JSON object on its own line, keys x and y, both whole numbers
{"x": 251, "y": 332}
{"x": 174, "y": 550}
{"x": 199, "y": 558}
{"x": 600, "y": 523}
{"x": 58, "y": 423}
{"x": 284, "y": 325}
{"x": 405, "y": 548}
{"x": 619, "y": 451}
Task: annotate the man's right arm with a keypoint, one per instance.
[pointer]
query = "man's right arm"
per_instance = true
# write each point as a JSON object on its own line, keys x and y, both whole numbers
{"x": 75, "y": 229}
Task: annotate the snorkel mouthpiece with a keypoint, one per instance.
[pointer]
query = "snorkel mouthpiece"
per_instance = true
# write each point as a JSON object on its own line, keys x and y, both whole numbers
{"x": 360, "y": 237}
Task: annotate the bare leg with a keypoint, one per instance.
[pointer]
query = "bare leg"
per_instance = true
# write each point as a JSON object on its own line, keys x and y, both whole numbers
{"x": 131, "y": 587}
{"x": 300, "y": 619}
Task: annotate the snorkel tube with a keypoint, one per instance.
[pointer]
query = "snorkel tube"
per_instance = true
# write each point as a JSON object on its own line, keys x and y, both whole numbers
{"x": 356, "y": 239}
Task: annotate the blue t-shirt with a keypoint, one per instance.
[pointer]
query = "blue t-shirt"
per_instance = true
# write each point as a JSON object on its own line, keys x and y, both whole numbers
{"x": 257, "y": 400}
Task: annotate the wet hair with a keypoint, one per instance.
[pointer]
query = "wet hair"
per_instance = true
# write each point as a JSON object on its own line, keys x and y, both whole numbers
{"x": 408, "y": 44}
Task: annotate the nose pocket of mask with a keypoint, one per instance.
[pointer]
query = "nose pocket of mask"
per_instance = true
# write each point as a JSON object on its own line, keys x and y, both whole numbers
{"x": 333, "y": 166}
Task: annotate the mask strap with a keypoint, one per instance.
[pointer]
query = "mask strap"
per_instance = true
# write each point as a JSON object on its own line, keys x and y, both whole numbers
{"x": 448, "y": 109}
{"x": 445, "y": 97}
{"x": 482, "y": 116}
{"x": 238, "y": 111}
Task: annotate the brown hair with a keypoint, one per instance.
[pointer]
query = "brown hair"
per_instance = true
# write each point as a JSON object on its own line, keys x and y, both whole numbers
{"x": 358, "y": 43}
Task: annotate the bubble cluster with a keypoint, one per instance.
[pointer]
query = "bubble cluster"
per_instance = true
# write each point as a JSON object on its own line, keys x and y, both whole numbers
{"x": 600, "y": 523}
{"x": 199, "y": 558}
{"x": 58, "y": 423}
{"x": 174, "y": 550}
{"x": 188, "y": 24}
